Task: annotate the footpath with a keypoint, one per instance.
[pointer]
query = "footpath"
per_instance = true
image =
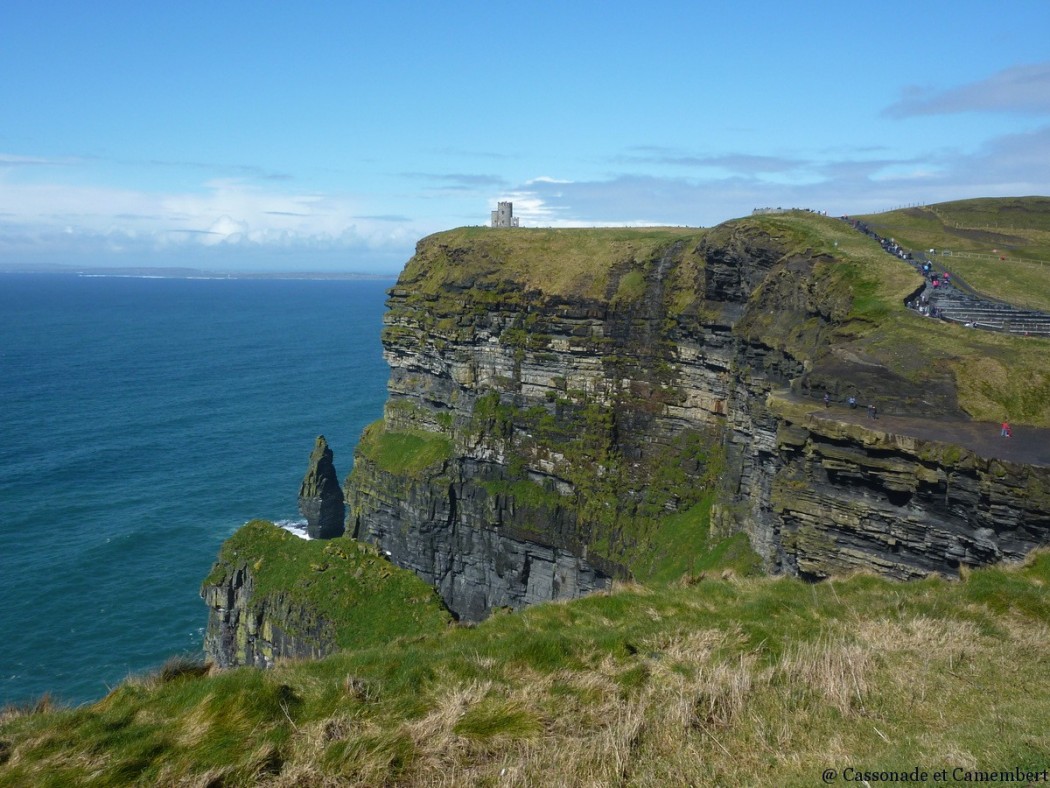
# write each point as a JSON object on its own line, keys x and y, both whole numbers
{"x": 947, "y": 296}
{"x": 1028, "y": 446}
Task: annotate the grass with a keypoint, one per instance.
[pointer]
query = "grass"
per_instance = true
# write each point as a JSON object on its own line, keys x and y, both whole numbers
{"x": 997, "y": 376}
{"x": 738, "y": 681}
{"x": 971, "y": 236}
{"x": 681, "y": 547}
{"x": 575, "y": 262}
{"x": 405, "y": 452}
{"x": 353, "y": 590}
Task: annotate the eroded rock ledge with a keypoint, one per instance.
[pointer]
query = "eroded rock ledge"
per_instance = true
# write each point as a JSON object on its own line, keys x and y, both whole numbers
{"x": 272, "y": 596}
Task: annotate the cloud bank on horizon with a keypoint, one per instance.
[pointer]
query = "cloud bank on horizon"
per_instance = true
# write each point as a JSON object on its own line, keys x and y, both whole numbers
{"x": 244, "y": 137}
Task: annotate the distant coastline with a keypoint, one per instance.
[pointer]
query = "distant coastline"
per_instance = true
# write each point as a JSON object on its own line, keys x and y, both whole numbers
{"x": 188, "y": 273}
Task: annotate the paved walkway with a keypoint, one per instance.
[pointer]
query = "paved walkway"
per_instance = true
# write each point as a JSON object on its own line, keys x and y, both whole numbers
{"x": 955, "y": 301}
{"x": 1029, "y": 445}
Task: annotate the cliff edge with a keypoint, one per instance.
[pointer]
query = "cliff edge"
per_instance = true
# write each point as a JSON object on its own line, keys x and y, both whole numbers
{"x": 571, "y": 406}
{"x": 272, "y": 595}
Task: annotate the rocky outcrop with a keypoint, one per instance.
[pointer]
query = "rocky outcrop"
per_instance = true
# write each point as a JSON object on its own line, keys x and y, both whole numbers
{"x": 479, "y": 548}
{"x": 557, "y": 404}
{"x": 244, "y": 630}
{"x": 320, "y": 496}
{"x": 273, "y": 596}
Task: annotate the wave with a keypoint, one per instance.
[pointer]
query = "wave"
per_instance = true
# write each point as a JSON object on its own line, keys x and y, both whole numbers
{"x": 297, "y": 527}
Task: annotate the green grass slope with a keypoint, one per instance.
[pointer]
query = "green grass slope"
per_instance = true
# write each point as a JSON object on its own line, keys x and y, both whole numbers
{"x": 564, "y": 262}
{"x": 996, "y": 376}
{"x": 366, "y": 599}
{"x": 727, "y": 681}
{"x": 971, "y": 237}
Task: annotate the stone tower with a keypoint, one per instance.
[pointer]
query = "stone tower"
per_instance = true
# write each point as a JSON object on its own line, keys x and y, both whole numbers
{"x": 503, "y": 216}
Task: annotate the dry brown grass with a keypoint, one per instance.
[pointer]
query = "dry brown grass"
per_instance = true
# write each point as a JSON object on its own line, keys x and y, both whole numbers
{"x": 740, "y": 682}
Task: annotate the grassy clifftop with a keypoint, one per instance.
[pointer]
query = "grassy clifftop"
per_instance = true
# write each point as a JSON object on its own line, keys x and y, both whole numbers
{"x": 711, "y": 681}
{"x": 1000, "y": 246}
{"x": 993, "y": 376}
{"x": 860, "y": 288}
{"x": 574, "y": 263}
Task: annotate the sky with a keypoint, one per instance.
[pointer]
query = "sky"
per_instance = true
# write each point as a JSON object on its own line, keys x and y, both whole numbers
{"x": 331, "y": 136}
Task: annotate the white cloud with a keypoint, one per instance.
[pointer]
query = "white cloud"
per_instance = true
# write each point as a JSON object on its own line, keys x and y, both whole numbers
{"x": 1020, "y": 89}
{"x": 49, "y": 218}
{"x": 1010, "y": 165}
{"x": 11, "y": 160}
{"x": 546, "y": 179}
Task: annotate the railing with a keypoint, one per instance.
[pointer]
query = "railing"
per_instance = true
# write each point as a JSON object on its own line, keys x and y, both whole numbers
{"x": 1015, "y": 321}
{"x": 987, "y": 256}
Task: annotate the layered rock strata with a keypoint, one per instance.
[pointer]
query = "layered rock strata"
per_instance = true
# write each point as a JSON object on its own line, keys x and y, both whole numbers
{"x": 246, "y": 630}
{"x": 851, "y": 497}
{"x": 557, "y": 404}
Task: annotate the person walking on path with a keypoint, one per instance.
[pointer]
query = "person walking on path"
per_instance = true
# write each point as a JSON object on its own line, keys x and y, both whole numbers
{"x": 827, "y": 400}
{"x": 1005, "y": 431}
{"x": 873, "y": 413}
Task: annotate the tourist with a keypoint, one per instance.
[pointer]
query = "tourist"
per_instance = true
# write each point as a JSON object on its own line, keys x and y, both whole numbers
{"x": 1005, "y": 431}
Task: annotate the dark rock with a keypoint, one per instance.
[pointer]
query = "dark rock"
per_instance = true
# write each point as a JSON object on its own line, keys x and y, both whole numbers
{"x": 564, "y": 408}
{"x": 243, "y": 630}
{"x": 320, "y": 496}
{"x": 479, "y": 550}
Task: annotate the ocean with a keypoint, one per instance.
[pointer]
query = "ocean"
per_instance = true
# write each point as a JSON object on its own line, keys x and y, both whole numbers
{"x": 142, "y": 421}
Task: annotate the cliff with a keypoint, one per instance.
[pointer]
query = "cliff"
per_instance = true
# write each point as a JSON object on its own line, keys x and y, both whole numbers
{"x": 567, "y": 407}
{"x": 571, "y": 406}
{"x": 272, "y": 595}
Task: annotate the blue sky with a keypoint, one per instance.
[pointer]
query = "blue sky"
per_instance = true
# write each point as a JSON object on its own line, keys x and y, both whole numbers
{"x": 332, "y": 136}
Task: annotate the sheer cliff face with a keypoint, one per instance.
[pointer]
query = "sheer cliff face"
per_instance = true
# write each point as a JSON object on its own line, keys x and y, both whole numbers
{"x": 565, "y": 405}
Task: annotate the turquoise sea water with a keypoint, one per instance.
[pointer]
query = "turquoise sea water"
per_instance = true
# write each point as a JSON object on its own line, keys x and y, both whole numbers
{"x": 141, "y": 422}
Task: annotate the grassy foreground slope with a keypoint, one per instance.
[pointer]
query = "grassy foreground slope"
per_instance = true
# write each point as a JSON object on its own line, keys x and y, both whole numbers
{"x": 978, "y": 233}
{"x": 726, "y": 681}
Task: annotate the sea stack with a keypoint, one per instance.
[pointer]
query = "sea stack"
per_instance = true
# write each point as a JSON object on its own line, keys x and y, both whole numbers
{"x": 320, "y": 496}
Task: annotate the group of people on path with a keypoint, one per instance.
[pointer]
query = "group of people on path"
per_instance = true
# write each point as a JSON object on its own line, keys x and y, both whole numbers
{"x": 873, "y": 413}
{"x": 923, "y": 306}
{"x": 851, "y": 401}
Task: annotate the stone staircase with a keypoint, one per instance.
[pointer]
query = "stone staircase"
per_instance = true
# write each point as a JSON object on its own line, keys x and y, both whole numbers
{"x": 952, "y": 305}
{"x": 955, "y": 301}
